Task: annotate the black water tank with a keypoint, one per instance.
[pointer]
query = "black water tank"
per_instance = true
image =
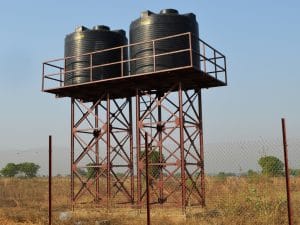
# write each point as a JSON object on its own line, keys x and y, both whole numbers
{"x": 85, "y": 40}
{"x": 152, "y": 26}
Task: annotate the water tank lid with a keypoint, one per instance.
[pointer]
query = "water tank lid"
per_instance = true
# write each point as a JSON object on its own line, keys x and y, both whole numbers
{"x": 121, "y": 32}
{"x": 168, "y": 11}
{"x": 146, "y": 13}
{"x": 80, "y": 28}
{"x": 101, "y": 27}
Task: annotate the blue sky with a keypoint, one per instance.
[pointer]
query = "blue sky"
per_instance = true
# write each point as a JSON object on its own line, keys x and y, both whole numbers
{"x": 259, "y": 38}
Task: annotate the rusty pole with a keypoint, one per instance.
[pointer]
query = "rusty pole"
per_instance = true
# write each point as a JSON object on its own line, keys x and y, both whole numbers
{"x": 50, "y": 181}
{"x": 287, "y": 176}
{"x": 182, "y": 158}
{"x": 202, "y": 174}
{"x": 138, "y": 150}
{"x": 131, "y": 151}
{"x": 147, "y": 179}
{"x": 72, "y": 152}
{"x": 161, "y": 174}
{"x": 97, "y": 155}
{"x": 108, "y": 166}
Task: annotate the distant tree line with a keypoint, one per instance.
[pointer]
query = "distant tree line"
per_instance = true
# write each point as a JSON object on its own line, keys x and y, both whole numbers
{"x": 25, "y": 169}
{"x": 270, "y": 166}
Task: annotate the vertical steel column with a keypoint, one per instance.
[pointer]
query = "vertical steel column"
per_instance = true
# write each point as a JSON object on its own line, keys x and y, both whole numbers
{"x": 50, "y": 181}
{"x": 182, "y": 158}
{"x": 161, "y": 175}
{"x": 97, "y": 154}
{"x": 138, "y": 150}
{"x": 72, "y": 152}
{"x": 131, "y": 151}
{"x": 287, "y": 176}
{"x": 202, "y": 178}
{"x": 108, "y": 127}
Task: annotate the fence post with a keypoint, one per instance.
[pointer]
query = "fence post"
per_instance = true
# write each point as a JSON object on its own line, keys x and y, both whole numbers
{"x": 287, "y": 176}
{"x": 147, "y": 178}
{"x": 50, "y": 181}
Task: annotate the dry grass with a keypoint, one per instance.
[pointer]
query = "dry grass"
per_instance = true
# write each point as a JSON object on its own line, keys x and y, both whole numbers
{"x": 239, "y": 201}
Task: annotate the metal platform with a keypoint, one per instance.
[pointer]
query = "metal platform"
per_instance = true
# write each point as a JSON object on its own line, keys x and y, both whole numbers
{"x": 126, "y": 86}
{"x": 212, "y": 73}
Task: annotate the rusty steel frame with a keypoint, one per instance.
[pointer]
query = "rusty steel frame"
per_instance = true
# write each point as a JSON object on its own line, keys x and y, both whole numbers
{"x": 181, "y": 167}
{"x": 169, "y": 111}
{"x": 107, "y": 145}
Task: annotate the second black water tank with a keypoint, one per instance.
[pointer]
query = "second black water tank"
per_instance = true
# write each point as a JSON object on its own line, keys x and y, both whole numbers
{"x": 85, "y": 40}
{"x": 152, "y": 26}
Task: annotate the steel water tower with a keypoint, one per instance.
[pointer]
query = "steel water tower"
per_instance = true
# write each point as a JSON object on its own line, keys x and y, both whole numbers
{"x": 120, "y": 91}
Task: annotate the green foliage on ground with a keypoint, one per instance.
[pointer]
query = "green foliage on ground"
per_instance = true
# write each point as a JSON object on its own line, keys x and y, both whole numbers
{"x": 153, "y": 158}
{"x": 10, "y": 170}
{"x": 25, "y": 169}
{"x": 271, "y": 166}
{"x": 295, "y": 172}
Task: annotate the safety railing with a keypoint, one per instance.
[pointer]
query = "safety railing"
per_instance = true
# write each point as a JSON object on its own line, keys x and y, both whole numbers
{"x": 182, "y": 55}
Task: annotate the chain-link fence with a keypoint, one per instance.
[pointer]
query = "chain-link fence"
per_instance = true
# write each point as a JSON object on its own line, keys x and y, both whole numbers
{"x": 244, "y": 184}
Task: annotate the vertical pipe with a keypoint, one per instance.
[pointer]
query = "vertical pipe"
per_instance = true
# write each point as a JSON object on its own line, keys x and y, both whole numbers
{"x": 182, "y": 158}
{"x": 202, "y": 174}
{"x": 147, "y": 178}
{"x": 97, "y": 154}
{"x": 72, "y": 151}
{"x": 287, "y": 177}
{"x": 108, "y": 151}
{"x": 50, "y": 181}
{"x": 131, "y": 151}
{"x": 161, "y": 176}
{"x": 138, "y": 149}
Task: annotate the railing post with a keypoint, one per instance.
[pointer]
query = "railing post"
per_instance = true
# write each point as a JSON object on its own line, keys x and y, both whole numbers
{"x": 122, "y": 58}
{"x": 91, "y": 66}
{"x": 191, "y": 49}
{"x": 225, "y": 70}
{"x": 65, "y": 69}
{"x": 215, "y": 60}
{"x": 43, "y": 76}
{"x": 154, "y": 60}
{"x": 60, "y": 77}
{"x": 204, "y": 57}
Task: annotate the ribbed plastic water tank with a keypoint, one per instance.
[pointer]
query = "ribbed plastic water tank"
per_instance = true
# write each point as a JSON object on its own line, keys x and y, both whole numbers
{"x": 166, "y": 23}
{"x": 85, "y": 40}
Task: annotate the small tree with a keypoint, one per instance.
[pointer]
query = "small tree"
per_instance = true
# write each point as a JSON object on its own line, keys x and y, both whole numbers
{"x": 271, "y": 166}
{"x": 295, "y": 172}
{"x": 29, "y": 169}
{"x": 92, "y": 170}
{"x": 10, "y": 170}
{"x": 154, "y": 171}
{"x": 252, "y": 173}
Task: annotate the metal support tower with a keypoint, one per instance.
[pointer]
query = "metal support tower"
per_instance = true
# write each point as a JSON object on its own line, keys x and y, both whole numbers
{"x": 102, "y": 146}
{"x": 176, "y": 146}
{"x": 168, "y": 107}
